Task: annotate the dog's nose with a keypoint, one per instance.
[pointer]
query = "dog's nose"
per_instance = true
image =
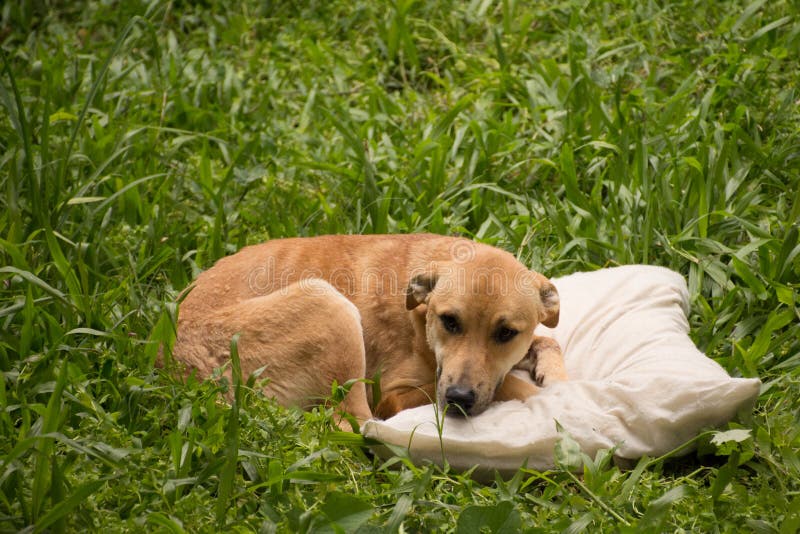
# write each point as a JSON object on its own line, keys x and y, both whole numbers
{"x": 460, "y": 396}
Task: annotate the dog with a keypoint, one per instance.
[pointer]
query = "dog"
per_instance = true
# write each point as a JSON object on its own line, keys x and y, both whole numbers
{"x": 437, "y": 319}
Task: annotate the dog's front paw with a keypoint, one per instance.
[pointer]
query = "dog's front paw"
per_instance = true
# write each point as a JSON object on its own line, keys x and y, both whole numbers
{"x": 544, "y": 362}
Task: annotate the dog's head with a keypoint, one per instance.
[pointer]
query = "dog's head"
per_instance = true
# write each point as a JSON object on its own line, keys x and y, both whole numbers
{"x": 480, "y": 316}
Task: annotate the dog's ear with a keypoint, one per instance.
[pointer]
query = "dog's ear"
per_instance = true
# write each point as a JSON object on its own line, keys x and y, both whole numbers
{"x": 419, "y": 289}
{"x": 550, "y": 302}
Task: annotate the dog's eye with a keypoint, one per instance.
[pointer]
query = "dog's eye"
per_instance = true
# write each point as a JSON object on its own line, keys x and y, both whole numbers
{"x": 450, "y": 323}
{"x": 504, "y": 334}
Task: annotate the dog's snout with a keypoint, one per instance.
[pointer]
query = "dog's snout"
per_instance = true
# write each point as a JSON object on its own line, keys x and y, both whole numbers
{"x": 460, "y": 397}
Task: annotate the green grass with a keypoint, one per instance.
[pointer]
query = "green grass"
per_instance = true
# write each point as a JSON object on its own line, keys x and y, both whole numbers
{"x": 141, "y": 142}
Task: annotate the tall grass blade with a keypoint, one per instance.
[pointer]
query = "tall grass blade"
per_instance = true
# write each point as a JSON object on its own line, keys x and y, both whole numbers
{"x": 569, "y": 178}
{"x": 77, "y": 496}
{"x": 36, "y": 281}
{"x": 44, "y": 449}
{"x": 16, "y": 113}
{"x": 93, "y": 90}
{"x": 228, "y": 471}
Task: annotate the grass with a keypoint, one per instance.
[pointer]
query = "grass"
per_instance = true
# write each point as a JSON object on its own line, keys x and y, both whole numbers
{"x": 140, "y": 142}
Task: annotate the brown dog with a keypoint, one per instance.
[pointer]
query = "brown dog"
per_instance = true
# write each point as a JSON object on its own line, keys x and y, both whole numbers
{"x": 439, "y": 318}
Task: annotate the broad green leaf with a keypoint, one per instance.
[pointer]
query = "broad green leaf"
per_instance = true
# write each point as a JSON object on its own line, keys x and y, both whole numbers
{"x": 346, "y": 511}
{"x": 500, "y": 518}
{"x": 568, "y": 452}
{"x": 729, "y": 440}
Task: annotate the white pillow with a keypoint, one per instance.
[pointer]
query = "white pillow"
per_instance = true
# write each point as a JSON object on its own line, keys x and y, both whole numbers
{"x": 637, "y": 382}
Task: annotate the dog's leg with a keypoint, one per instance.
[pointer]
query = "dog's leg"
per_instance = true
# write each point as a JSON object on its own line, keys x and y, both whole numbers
{"x": 304, "y": 337}
{"x": 404, "y": 398}
{"x": 515, "y": 388}
{"x": 544, "y": 361}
